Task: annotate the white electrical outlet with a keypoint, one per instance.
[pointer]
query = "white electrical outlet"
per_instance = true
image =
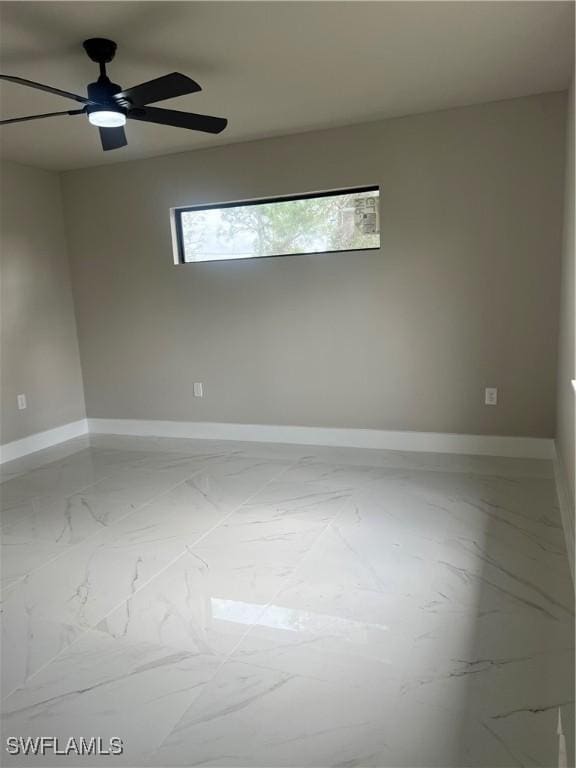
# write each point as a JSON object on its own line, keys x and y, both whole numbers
{"x": 21, "y": 402}
{"x": 491, "y": 396}
{"x": 198, "y": 389}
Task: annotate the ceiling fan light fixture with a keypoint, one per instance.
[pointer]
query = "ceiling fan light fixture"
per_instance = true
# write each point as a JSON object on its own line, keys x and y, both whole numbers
{"x": 106, "y": 118}
{"x": 108, "y": 105}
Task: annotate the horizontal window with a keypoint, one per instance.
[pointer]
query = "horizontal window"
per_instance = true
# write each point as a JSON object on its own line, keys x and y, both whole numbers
{"x": 324, "y": 222}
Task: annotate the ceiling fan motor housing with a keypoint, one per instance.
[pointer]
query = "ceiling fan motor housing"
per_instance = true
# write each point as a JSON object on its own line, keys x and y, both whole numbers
{"x": 103, "y": 90}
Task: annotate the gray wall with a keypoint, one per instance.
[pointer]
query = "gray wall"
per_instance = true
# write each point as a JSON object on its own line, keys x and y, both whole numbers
{"x": 566, "y": 424}
{"x": 463, "y": 293}
{"x": 39, "y": 347}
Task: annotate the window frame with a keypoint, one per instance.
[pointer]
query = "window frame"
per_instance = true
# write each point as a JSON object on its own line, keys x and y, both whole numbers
{"x": 177, "y": 232}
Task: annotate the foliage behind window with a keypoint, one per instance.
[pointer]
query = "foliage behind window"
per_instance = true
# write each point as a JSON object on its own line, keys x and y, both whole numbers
{"x": 330, "y": 221}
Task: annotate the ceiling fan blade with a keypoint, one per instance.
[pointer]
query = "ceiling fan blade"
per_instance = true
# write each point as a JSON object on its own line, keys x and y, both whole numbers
{"x": 38, "y": 117}
{"x": 47, "y": 88}
{"x": 112, "y": 138}
{"x": 189, "y": 120}
{"x": 166, "y": 87}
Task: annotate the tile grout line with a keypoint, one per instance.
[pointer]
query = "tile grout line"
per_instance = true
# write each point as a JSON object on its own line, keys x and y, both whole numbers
{"x": 47, "y": 466}
{"x": 188, "y": 547}
{"x": 88, "y": 538}
{"x": 5, "y": 478}
{"x": 4, "y": 592}
{"x": 249, "y": 629}
{"x": 292, "y": 573}
{"x": 230, "y": 653}
{"x": 85, "y": 631}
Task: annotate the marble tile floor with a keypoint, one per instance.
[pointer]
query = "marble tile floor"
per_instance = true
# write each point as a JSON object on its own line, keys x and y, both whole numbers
{"x": 243, "y": 604}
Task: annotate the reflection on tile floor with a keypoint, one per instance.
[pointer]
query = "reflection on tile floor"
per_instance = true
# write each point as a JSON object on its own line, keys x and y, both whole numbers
{"x": 218, "y": 603}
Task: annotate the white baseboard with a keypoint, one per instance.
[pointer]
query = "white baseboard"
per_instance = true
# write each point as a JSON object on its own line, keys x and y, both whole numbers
{"x": 430, "y": 442}
{"x": 433, "y": 442}
{"x": 41, "y": 440}
{"x": 566, "y": 503}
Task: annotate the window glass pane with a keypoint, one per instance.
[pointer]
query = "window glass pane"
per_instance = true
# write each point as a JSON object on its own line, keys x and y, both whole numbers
{"x": 340, "y": 221}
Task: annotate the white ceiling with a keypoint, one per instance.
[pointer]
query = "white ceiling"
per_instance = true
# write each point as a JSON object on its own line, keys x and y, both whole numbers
{"x": 273, "y": 68}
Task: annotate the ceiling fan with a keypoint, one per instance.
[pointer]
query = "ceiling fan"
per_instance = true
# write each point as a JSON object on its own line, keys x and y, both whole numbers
{"x": 108, "y": 105}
